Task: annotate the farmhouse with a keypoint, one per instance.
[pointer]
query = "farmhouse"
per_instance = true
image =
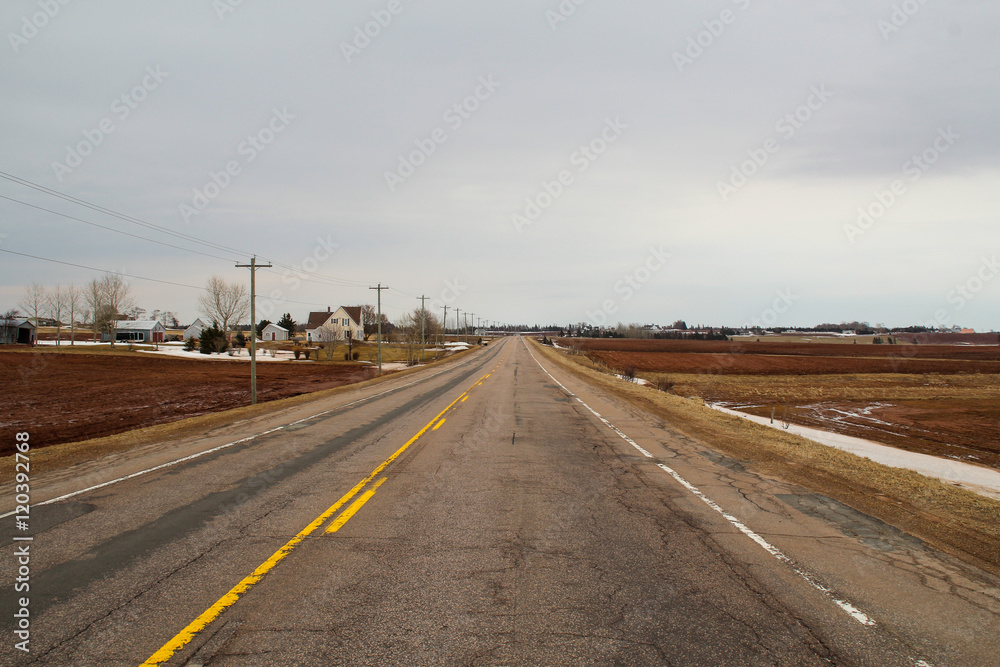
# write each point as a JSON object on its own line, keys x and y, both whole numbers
{"x": 341, "y": 324}
{"x": 274, "y": 332}
{"x": 19, "y": 331}
{"x": 194, "y": 331}
{"x": 138, "y": 331}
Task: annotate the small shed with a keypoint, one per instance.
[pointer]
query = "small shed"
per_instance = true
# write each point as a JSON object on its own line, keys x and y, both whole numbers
{"x": 194, "y": 331}
{"x": 18, "y": 331}
{"x": 138, "y": 331}
{"x": 273, "y": 332}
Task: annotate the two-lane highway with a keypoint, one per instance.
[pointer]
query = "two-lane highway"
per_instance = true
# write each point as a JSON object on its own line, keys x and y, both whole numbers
{"x": 495, "y": 512}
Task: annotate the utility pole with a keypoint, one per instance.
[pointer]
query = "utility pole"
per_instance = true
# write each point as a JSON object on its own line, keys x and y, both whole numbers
{"x": 467, "y": 314}
{"x": 458, "y": 326}
{"x": 423, "y": 321}
{"x": 444, "y": 326}
{"x": 379, "y": 322}
{"x": 253, "y": 266}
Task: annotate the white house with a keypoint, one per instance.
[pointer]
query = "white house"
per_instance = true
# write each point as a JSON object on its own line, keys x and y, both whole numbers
{"x": 333, "y": 325}
{"x": 138, "y": 331}
{"x": 274, "y": 332}
{"x": 194, "y": 331}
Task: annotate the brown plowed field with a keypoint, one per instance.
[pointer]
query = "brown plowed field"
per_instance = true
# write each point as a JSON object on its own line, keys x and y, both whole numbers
{"x": 66, "y": 397}
{"x": 934, "y": 399}
{"x": 721, "y": 357}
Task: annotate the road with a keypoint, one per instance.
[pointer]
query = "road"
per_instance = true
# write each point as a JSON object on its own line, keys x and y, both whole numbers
{"x": 496, "y": 511}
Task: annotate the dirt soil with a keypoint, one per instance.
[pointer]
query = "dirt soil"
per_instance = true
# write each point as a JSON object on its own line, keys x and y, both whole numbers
{"x": 933, "y": 399}
{"x": 62, "y": 398}
{"x": 725, "y": 358}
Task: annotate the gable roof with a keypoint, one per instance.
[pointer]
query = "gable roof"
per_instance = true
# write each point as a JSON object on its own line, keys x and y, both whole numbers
{"x": 318, "y": 319}
{"x": 272, "y": 325}
{"x": 354, "y": 312}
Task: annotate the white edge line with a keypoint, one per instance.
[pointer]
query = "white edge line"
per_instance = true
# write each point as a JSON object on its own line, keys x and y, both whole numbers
{"x": 854, "y": 612}
{"x": 225, "y": 446}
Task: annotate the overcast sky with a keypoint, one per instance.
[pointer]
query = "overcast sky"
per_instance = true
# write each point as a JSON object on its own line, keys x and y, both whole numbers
{"x": 525, "y": 160}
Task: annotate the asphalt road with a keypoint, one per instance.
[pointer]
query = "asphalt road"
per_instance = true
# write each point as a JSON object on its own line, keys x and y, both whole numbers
{"x": 487, "y": 513}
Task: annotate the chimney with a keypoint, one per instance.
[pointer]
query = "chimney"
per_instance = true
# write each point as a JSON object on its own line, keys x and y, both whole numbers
{"x": 328, "y": 309}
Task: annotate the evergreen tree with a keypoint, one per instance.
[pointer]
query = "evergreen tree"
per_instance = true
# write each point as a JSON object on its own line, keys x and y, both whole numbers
{"x": 286, "y": 322}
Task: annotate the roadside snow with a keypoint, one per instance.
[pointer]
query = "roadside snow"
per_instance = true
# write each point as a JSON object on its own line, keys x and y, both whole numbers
{"x": 984, "y": 481}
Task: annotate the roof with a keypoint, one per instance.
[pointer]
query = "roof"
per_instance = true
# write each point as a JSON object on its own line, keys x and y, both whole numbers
{"x": 354, "y": 312}
{"x": 272, "y": 325}
{"x": 197, "y": 323}
{"x": 17, "y": 322}
{"x": 137, "y": 325}
{"x": 318, "y": 319}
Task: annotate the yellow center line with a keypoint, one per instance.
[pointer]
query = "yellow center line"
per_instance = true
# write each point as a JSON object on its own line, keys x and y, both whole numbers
{"x": 182, "y": 638}
{"x": 439, "y": 424}
{"x": 346, "y": 515}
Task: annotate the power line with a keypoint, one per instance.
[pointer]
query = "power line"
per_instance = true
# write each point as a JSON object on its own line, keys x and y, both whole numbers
{"x": 112, "y": 229}
{"x": 129, "y": 275}
{"x": 116, "y": 214}
{"x": 91, "y": 268}
{"x": 339, "y": 282}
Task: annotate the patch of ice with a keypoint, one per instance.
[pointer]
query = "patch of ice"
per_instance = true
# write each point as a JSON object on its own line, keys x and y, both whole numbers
{"x": 978, "y": 479}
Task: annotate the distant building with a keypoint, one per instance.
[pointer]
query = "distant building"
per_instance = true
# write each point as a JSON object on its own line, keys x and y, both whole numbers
{"x": 341, "y": 324}
{"x": 194, "y": 331}
{"x": 137, "y": 331}
{"x": 17, "y": 331}
{"x": 273, "y": 332}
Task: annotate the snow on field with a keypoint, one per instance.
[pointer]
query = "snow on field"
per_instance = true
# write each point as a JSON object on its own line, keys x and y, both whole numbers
{"x": 243, "y": 355}
{"x": 983, "y": 481}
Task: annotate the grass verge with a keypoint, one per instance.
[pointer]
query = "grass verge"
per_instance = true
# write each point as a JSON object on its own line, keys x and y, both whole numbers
{"x": 954, "y": 520}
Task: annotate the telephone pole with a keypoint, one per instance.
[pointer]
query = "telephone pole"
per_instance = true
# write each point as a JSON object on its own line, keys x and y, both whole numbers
{"x": 379, "y": 322}
{"x": 444, "y": 326}
{"x": 458, "y": 325}
{"x": 253, "y": 266}
{"x": 423, "y": 321}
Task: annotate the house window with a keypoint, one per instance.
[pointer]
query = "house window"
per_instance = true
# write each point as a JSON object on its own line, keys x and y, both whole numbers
{"x": 345, "y": 321}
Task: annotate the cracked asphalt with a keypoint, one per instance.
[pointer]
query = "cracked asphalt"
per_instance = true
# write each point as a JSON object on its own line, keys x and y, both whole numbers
{"x": 519, "y": 531}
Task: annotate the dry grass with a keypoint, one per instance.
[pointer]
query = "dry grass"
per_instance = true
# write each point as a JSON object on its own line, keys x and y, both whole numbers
{"x": 817, "y": 388}
{"x": 954, "y": 520}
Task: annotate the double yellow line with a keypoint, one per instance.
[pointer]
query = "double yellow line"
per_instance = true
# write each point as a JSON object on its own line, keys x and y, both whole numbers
{"x": 182, "y": 638}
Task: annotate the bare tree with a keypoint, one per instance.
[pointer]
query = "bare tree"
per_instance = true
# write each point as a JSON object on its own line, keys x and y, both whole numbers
{"x": 369, "y": 319}
{"x": 8, "y": 325}
{"x": 56, "y": 305}
{"x": 34, "y": 300}
{"x": 328, "y": 335}
{"x": 74, "y": 299}
{"x": 227, "y": 303}
{"x": 117, "y": 298}
{"x": 93, "y": 295}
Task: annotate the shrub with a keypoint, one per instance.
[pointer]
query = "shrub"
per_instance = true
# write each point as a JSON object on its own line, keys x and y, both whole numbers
{"x": 307, "y": 353}
{"x": 663, "y": 384}
{"x": 189, "y": 344}
{"x": 356, "y": 355}
{"x": 347, "y": 356}
{"x": 297, "y": 352}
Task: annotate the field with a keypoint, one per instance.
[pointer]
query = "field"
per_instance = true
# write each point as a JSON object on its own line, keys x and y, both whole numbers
{"x": 69, "y": 396}
{"x": 933, "y": 399}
